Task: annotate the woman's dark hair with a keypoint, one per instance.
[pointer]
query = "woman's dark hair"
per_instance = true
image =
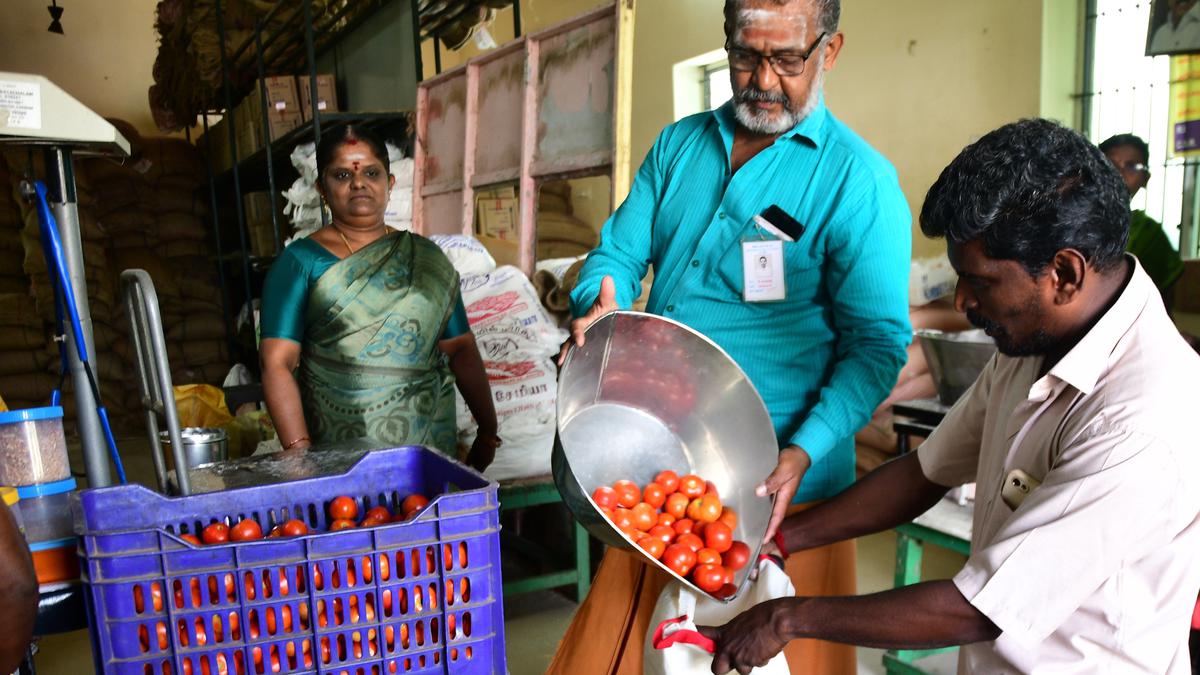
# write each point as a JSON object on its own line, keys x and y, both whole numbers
{"x": 1028, "y": 190}
{"x": 338, "y": 136}
{"x": 1130, "y": 140}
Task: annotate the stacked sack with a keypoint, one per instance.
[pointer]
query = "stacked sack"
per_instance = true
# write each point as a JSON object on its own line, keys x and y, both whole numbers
{"x": 23, "y": 356}
{"x": 302, "y": 202}
{"x": 559, "y": 233}
{"x": 518, "y": 341}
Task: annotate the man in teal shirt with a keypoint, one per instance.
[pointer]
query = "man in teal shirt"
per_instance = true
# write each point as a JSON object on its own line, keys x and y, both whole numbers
{"x": 826, "y": 355}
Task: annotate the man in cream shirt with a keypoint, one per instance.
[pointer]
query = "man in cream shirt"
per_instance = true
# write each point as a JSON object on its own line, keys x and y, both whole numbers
{"x": 1080, "y": 434}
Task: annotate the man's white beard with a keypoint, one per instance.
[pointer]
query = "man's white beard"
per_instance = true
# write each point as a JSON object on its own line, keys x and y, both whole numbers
{"x": 761, "y": 122}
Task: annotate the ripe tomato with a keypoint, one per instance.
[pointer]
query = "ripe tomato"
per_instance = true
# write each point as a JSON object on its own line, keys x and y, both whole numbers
{"x": 608, "y": 513}
{"x": 644, "y": 516}
{"x": 245, "y": 530}
{"x": 374, "y": 521}
{"x": 729, "y": 517}
{"x": 276, "y": 532}
{"x": 341, "y": 524}
{"x": 737, "y": 556}
{"x": 710, "y": 488}
{"x": 379, "y": 513}
{"x": 669, "y": 480}
{"x": 294, "y": 528}
{"x": 718, "y": 537}
{"x": 710, "y": 578}
{"x": 343, "y": 508}
{"x": 683, "y": 526}
{"x": 191, "y": 539}
{"x": 676, "y": 505}
{"x": 691, "y": 486}
{"x": 691, "y": 541}
{"x": 413, "y": 503}
{"x": 605, "y": 497}
{"x": 679, "y": 559}
{"x": 666, "y": 519}
{"x": 708, "y": 509}
{"x": 663, "y": 532}
{"x": 628, "y": 494}
{"x": 725, "y": 591}
{"x": 654, "y": 495}
{"x": 728, "y": 575}
{"x": 652, "y": 545}
{"x": 217, "y": 533}
{"x": 622, "y": 518}
{"x": 707, "y": 556}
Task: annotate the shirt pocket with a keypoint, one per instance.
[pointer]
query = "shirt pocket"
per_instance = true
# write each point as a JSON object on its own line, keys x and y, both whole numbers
{"x": 802, "y": 270}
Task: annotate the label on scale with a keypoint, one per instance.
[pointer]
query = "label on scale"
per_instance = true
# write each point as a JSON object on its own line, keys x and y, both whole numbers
{"x": 20, "y": 105}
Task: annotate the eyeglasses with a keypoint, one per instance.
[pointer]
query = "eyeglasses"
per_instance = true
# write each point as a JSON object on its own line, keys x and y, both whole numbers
{"x": 1133, "y": 167}
{"x": 785, "y": 64}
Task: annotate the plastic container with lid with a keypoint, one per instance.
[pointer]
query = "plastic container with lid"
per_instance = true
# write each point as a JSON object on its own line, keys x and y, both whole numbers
{"x": 33, "y": 449}
{"x": 49, "y": 529}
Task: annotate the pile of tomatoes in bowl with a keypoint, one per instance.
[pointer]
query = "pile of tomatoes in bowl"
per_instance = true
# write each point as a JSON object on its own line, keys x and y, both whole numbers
{"x": 343, "y": 514}
{"x": 680, "y": 522}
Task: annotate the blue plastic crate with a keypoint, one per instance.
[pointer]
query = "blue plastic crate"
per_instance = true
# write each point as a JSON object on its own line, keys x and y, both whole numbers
{"x": 422, "y": 596}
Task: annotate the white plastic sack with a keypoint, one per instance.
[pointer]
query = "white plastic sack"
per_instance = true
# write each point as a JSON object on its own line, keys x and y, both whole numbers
{"x": 467, "y": 255}
{"x": 930, "y": 279}
{"x": 518, "y": 341}
{"x": 557, "y": 266}
{"x": 680, "y": 609}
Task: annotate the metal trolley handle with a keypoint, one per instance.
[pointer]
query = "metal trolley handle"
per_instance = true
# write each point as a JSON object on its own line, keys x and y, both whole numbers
{"x": 154, "y": 374}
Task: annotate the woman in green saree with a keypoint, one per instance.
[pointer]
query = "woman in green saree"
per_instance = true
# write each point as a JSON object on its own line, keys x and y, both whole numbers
{"x": 364, "y": 333}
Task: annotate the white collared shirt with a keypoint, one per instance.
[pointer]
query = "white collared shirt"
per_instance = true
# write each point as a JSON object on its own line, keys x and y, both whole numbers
{"x": 1098, "y": 568}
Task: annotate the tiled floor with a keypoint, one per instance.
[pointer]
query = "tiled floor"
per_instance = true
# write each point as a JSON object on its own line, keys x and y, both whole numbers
{"x": 534, "y": 622}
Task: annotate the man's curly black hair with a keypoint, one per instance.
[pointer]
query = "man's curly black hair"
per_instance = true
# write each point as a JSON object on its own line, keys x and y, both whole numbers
{"x": 1028, "y": 190}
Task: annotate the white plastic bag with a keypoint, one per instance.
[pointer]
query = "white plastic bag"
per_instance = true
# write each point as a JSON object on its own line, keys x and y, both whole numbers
{"x": 467, "y": 255}
{"x": 517, "y": 339}
{"x": 671, "y": 644}
{"x": 930, "y": 279}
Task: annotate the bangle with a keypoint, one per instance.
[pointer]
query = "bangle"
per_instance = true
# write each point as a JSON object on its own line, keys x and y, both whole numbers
{"x": 302, "y": 438}
{"x": 778, "y": 539}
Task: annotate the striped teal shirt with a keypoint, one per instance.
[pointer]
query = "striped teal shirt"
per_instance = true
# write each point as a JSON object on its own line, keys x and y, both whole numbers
{"x": 824, "y": 357}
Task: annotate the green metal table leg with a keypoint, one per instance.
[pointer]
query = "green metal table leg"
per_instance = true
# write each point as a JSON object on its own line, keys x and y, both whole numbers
{"x": 583, "y": 563}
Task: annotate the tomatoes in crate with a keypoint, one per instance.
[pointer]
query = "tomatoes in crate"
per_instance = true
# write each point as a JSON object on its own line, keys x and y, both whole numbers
{"x": 341, "y": 525}
{"x": 343, "y": 508}
{"x": 191, "y": 539}
{"x": 246, "y": 530}
{"x": 216, "y": 533}
{"x": 294, "y": 528}
{"x": 413, "y": 503}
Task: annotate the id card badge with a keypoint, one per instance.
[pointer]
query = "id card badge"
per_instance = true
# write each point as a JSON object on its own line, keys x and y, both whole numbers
{"x": 762, "y": 270}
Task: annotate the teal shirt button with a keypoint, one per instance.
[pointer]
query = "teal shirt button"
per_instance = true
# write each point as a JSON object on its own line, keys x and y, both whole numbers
{"x": 695, "y": 263}
{"x": 721, "y": 215}
{"x": 670, "y": 308}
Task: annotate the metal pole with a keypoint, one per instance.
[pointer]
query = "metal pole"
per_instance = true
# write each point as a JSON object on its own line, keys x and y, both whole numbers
{"x": 311, "y": 52}
{"x": 1190, "y": 216}
{"x": 266, "y": 123}
{"x": 516, "y": 18}
{"x": 437, "y": 55}
{"x": 216, "y": 225}
{"x": 237, "y": 181}
{"x": 61, "y": 183}
{"x": 416, "y": 22}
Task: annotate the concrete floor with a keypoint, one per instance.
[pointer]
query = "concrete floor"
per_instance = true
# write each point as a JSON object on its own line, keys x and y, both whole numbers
{"x": 534, "y": 622}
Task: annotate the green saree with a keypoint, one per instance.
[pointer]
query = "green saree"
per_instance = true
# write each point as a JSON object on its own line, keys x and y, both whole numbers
{"x": 371, "y": 366}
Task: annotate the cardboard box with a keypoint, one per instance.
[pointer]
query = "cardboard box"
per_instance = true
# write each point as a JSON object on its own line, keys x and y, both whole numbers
{"x": 497, "y": 215}
{"x": 281, "y": 94}
{"x": 280, "y": 119}
{"x": 327, "y": 100}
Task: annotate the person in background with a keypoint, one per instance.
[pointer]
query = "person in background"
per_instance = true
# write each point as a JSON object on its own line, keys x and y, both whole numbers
{"x": 364, "y": 333}
{"x": 1147, "y": 240}
{"x": 1079, "y": 435}
{"x": 18, "y": 593}
{"x": 823, "y": 356}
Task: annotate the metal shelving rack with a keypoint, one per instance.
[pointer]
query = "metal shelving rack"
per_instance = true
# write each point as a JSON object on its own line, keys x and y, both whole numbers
{"x": 275, "y": 47}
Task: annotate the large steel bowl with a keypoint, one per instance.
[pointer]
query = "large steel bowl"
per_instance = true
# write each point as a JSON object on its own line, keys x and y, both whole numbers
{"x": 645, "y": 394}
{"x": 955, "y": 359}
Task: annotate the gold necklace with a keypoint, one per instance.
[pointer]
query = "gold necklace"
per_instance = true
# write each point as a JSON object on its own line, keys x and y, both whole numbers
{"x": 343, "y": 236}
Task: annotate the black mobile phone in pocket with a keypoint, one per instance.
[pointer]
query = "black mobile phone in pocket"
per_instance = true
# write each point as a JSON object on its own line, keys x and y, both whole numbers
{"x": 781, "y": 220}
